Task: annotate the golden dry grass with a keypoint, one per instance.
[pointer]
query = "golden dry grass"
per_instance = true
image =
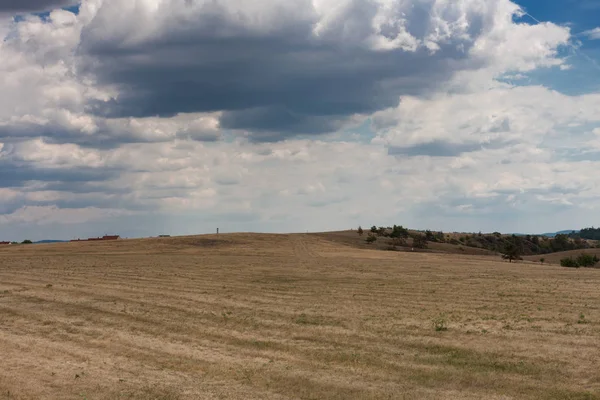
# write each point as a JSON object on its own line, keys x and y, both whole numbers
{"x": 290, "y": 317}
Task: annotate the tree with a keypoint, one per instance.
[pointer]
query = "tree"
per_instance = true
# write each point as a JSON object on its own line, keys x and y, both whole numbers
{"x": 420, "y": 241}
{"x": 439, "y": 237}
{"x": 569, "y": 263}
{"x": 374, "y": 229}
{"x": 360, "y": 231}
{"x": 587, "y": 260}
{"x": 511, "y": 251}
{"x": 399, "y": 232}
{"x": 560, "y": 243}
{"x": 371, "y": 238}
{"x": 583, "y": 260}
{"x": 590, "y": 233}
{"x": 27, "y": 241}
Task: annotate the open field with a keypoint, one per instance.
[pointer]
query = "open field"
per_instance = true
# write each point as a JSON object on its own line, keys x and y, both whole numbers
{"x": 290, "y": 317}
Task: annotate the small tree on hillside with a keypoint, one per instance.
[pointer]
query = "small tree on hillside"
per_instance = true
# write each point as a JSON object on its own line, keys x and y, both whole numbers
{"x": 511, "y": 252}
{"x": 374, "y": 229}
{"x": 430, "y": 236}
{"x": 420, "y": 241}
{"x": 587, "y": 260}
{"x": 399, "y": 232}
{"x": 360, "y": 231}
{"x": 371, "y": 238}
{"x": 27, "y": 241}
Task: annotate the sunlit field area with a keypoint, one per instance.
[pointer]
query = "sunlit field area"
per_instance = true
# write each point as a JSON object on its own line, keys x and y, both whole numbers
{"x": 290, "y": 317}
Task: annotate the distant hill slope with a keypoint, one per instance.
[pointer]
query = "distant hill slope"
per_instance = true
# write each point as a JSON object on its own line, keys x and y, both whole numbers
{"x": 353, "y": 239}
{"x": 565, "y": 232}
{"x": 554, "y": 258}
{"x": 455, "y": 243}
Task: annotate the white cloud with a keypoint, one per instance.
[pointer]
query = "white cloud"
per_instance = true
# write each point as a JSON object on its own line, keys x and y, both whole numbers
{"x": 593, "y": 34}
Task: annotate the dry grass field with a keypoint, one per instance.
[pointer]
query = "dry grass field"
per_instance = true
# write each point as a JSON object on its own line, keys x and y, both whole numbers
{"x": 290, "y": 317}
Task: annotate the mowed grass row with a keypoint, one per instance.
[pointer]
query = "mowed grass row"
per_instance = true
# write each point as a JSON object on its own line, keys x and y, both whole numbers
{"x": 290, "y": 317}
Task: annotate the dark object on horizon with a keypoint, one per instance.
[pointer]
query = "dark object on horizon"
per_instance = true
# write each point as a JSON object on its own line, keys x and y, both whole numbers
{"x": 588, "y": 233}
{"x": 565, "y": 232}
{"x": 105, "y": 237}
{"x": 164, "y": 236}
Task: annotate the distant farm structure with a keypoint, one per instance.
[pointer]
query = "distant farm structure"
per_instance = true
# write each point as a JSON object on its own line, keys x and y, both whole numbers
{"x": 105, "y": 237}
{"x": 4, "y": 243}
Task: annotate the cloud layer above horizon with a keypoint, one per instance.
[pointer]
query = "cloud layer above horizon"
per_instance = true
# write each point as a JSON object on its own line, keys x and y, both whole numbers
{"x": 173, "y": 116}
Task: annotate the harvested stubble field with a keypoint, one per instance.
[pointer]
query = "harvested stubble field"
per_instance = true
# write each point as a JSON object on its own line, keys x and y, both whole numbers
{"x": 290, "y": 317}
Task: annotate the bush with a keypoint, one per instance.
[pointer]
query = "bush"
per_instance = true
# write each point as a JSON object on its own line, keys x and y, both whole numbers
{"x": 27, "y": 241}
{"x": 569, "y": 263}
{"x": 587, "y": 260}
{"x": 420, "y": 241}
{"x": 583, "y": 260}
{"x": 374, "y": 229}
{"x": 371, "y": 239}
{"x": 440, "y": 323}
{"x": 360, "y": 231}
{"x": 399, "y": 232}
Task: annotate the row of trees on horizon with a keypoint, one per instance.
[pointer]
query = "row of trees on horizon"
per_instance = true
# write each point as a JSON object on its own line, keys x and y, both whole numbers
{"x": 496, "y": 242}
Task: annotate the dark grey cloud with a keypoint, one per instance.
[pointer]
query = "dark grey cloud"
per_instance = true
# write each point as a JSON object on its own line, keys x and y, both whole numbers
{"x": 14, "y": 6}
{"x": 550, "y": 190}
{"x": 495, "y": 208}
{"x": 81, "y": 187}
{"x": 19, "y": 176}
{"x": 442, "y": 148}
{"x": 106, "y": 136}
{"x": 576, "y": 154}
{"x": 438, "y": 148}
{"x": 15, "y": 173}
{"x": 280, "y": 83}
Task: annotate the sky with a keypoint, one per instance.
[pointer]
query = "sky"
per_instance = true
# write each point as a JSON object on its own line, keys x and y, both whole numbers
{"x": 148, "y": 117}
